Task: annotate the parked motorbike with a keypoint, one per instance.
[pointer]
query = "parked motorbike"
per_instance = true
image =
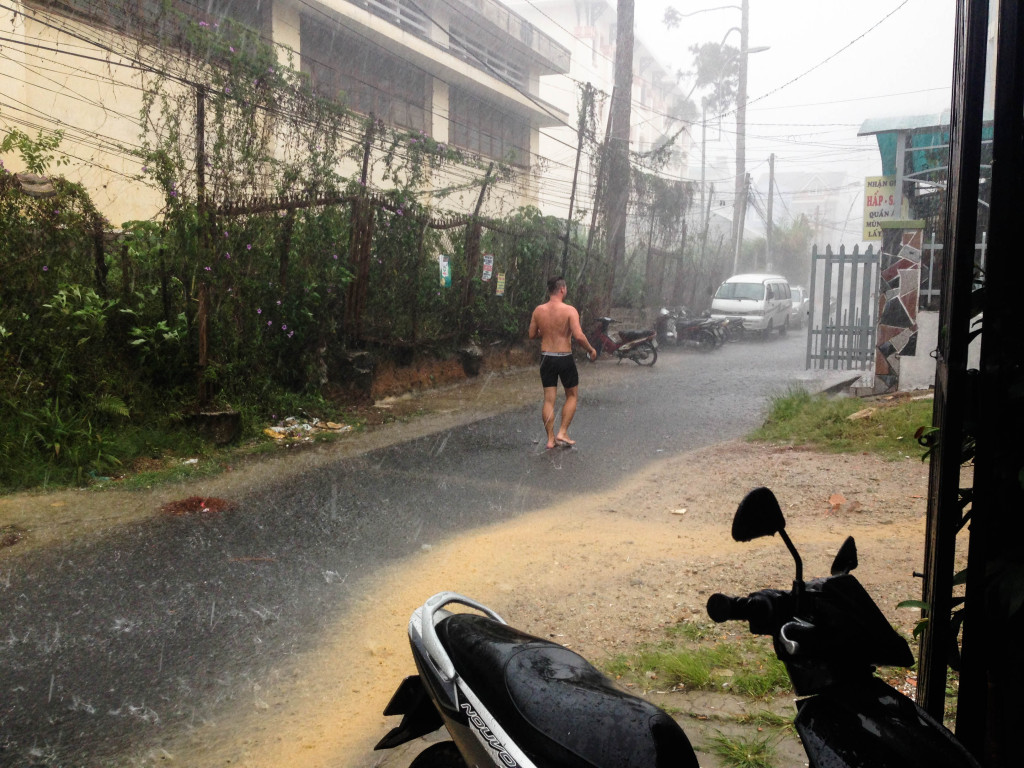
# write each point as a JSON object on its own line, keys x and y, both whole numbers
{"x": 702, "y": 333}
{"x": 831, "y": 635}
{"x": 665, "y": 327}
{"x": 512, "y": 700}
{"x": 640, "y": 346}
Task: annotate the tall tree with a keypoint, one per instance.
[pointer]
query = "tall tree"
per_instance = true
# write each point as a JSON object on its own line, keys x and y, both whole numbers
{"x": 617, "y": 151}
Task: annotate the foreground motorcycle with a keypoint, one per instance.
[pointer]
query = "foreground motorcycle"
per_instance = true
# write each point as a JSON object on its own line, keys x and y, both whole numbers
{"x": 509, "y": 699}
{"x": 640, "y": 346}
{"x": 830, "y": 635}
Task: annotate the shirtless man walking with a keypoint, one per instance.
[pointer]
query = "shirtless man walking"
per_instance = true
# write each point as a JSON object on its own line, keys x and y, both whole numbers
{"x": 556, "y": 324}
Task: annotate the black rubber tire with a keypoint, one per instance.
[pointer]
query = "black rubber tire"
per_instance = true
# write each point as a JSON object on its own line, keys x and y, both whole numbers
{"x": 441, "y": 755}
{"x": 646, "y": 354}
{"x": 785, "y": 328}
{"x": 768, "y": 331}
{"x": 707, "y": 341}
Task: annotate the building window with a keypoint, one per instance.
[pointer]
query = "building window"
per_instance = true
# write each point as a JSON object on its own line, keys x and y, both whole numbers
{"x": 483, "y": 128}
{"x": 363, "y": 76}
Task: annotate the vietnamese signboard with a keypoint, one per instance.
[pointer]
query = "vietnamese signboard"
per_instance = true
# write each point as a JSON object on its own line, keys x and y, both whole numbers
{"x": 880, "y": 204}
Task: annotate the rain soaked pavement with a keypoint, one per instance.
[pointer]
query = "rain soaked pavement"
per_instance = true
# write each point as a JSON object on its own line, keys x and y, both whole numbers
{"x": 111, "y": 646}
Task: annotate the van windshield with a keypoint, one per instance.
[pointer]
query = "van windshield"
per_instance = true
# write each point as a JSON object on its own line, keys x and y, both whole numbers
{"x": 753, "y": 291}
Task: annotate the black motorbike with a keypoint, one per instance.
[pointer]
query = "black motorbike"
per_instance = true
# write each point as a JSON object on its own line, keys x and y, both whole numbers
{"x": 831, "y": 635}
{"x": 677, "y": 328}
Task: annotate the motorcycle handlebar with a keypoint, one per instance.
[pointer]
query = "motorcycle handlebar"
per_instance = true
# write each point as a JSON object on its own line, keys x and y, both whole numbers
{"x": 725, "y": 608}
{"x": 765, "y": 611}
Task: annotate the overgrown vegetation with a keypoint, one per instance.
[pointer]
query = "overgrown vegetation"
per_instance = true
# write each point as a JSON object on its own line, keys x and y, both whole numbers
{"x": 843, "y": 425}
{"x": 275, "y": 277}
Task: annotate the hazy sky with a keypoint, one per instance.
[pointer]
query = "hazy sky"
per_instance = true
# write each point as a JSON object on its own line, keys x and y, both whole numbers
{"x": 878, "y": 59}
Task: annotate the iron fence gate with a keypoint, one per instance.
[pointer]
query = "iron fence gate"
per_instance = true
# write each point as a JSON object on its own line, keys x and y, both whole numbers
{"x": 843, "y": 310}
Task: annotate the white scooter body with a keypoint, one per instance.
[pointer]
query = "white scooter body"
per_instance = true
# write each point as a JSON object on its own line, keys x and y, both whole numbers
{"x": 512, "y": 700}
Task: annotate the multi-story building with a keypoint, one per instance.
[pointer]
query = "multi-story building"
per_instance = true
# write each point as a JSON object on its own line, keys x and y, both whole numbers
{"x": 587, "y": 28}
{"x": 465, "y": 72}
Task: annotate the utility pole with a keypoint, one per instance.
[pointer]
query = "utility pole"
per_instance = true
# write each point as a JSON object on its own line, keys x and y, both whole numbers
{"x": 768, "y": 224}
{"x": 618, "y": 149}
{"x": 703, "y": 147}
{"x": 740, "y": 200}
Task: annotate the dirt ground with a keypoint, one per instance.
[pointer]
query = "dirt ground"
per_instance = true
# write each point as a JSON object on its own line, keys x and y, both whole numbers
{"x": 600, "y": 575}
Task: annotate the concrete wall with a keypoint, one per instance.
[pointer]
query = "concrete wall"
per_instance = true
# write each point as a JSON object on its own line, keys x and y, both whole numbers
{"x": 918, "y": 371}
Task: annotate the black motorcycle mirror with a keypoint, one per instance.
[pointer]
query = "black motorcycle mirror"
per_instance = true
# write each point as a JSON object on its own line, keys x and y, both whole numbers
{"x": 846, "y": 558}
{"x": 759, "y": 514}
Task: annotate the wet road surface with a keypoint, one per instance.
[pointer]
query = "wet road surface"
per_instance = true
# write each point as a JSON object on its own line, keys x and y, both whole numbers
{"x": 112, "y": 645}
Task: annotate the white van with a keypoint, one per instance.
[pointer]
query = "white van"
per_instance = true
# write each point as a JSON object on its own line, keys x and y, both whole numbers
{"x": 760, "y": 302}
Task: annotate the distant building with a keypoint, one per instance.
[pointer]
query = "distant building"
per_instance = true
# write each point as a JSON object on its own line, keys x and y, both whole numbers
{"x": 827, "y": 199}
{"x": 659, "y": 114}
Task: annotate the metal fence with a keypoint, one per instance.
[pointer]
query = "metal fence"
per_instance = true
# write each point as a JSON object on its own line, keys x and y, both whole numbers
{"x": 843, "y": 309}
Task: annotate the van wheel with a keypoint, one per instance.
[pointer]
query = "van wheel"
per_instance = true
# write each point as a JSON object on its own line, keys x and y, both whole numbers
{"x": 785, "y": 328}
{"x": 767, "y": 331}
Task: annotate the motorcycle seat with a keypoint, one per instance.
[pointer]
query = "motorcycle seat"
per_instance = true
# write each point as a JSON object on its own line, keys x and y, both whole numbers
{"x": 555, "y": 706}
{"x": 633, "y": 335}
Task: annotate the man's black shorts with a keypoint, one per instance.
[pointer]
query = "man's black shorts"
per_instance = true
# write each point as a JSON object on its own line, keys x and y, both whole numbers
{"x": 555, "y": 367}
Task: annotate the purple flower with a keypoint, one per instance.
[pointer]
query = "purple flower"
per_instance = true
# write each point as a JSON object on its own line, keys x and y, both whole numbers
{"x": 207, "y": 269}
{"x": 231, "y": 48}
{"x": 290, "y": 334}
{"x": 46, "y": 269}
{"x": 284, "y": 327}
{"x": 225, "y": 233}
{"x": 279, "y": 302}
{"x": 227, "y": 255}
{"x": 203, "y": 24}
{"x": 248, "y": 247}
{"x": 144, "y": 169}
{"x": 270, "y": 322}
{"x": 335, "y": 257}
{"x": 227, "y": 89}
{"x": 259, "y": 311}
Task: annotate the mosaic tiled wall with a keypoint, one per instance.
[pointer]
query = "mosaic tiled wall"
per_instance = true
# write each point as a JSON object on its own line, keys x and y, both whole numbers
{"x": 897, "y": 305}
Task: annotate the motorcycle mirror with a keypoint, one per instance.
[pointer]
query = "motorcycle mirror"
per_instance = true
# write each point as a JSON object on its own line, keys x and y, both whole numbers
{"x": 846, "y": 558}
{"x": 757, "y": 515}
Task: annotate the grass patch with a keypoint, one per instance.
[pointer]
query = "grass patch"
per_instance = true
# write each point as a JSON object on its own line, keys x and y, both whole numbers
{"x": 739, "y": 752}
{"x": 823, "y": 422}
{"x": 767, "y": 719}
{"x": 687, "y": 660}
{"x": 762, "y": 678}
